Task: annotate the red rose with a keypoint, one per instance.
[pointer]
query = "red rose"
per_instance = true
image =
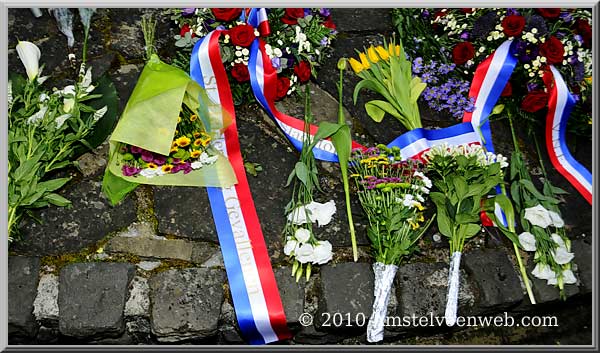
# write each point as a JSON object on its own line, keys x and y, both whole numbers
{"x": 513, "y": 25}
{"x": 302, "y": 70}
{"x": 283, "y": 85}
{"x": 240, "y": 72}
{"x": 534, "y": 101}
{"x": 467, "y": 9}
{"x": 439, "y": 14}
{"x": 585, "y": 31}
{"x": 186, "y": 28}
{"x": 226, "y": 15}
{"x": 553, "y": 50}
{"x": 242, "y": 35}
{"x": 549, "y": 13}
{"x": 329, "y": 22}
{"x": 292, "y": 15}
{"x": 462, "y": 53}
{"x": 507, "y": 91}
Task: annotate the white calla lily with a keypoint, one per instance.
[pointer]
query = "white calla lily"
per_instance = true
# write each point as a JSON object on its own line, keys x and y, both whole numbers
{"x": 29, "y": 54}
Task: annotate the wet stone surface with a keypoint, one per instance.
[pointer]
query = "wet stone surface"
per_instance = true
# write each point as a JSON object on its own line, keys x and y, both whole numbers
{"x": 22, "y": 289}
{"x": 583, "y": 258}
{"x": 71, "y": 229}
{"x": 92, "y": 298}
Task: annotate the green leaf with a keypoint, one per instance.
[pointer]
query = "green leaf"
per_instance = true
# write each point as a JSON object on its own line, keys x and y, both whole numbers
{"x": 377, "y": 109}
{"x": 533, "y": 190}
{"x": 26, "y": 170}
{"x": 53, "y": 184}
{"x": 326, "y": 129}
{"x": 460, "y": 186}
{"x": 465, "y": 218}
{"x": 57, "y": 200}
{"x": 444, "y": 225}
{"x": 302, "y": 172}
{"x": 504, "y": 202}
{"x": 60, "y": 165}
{"x": 416, "y": 88}
{"x": 468, "y": 230}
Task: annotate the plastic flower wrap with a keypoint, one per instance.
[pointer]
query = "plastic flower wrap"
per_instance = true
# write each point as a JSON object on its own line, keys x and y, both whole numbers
{"x": 298, "y": 42}
{"x": 392, "y": 193}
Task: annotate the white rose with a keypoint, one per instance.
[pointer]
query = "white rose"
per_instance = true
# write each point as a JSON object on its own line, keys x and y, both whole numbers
{"x": 557, "y": 221}
{"x": 304, "y": 253}
{"x": 527, "y": 240}
{"x": 302, "y": 235}
{"x": 321, "y": 212}
{"x": 538, "y": 216}
{"x": 290, "y": 246}
{"x": 543, "y": 271}
{"x": 323, "y": 253}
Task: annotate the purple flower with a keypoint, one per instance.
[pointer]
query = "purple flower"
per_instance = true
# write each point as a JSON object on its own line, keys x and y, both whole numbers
{"x": 129, "y": 170}
{"x": 147, "y": 156}
{"x": 324, "y": 12}
{"x": 276, "y": 62}
{"x": 465, "y": 35}
{"x": 188, "y": 11}
{"x": 425, "y": 13}
{"x": 221, "y": 28}
{"x": 566, "y": 16}
{"x": 136, "y": 150}
{"x": 307, "y": 12}
{"x": 511, "y": 11}
{"x": 531, "y": 86}
{"x": 160, "y": 160}
{"x": 579, "y": 39}
{"x": 324, "y": 41}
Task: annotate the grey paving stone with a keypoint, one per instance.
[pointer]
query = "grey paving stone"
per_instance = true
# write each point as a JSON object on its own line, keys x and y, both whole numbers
{"x": 347, "y": 289}
{"x": 362, "y": 19}
{"x": 544, "y": 293}
{"x": 186, "y": 304}
{"x": 583, "y": 259}
{"x": 138, "y": 302}
{"x": 45, "y": 306}
{"x": 496, "y": 278}
{"x": 92, "y": 298}
{"x": 23, "y": 274}
{"x": 291, "y": 292}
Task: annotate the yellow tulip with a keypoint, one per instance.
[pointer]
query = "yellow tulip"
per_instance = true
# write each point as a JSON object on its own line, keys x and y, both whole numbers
{"x": 382, "y": 52}
{"x": 397, "y": 50}
{"x": 364, "y": 61}
{"x": 391, "y": 50}
{"x": 372, "y": 55}
{"x": 356, "y": 65}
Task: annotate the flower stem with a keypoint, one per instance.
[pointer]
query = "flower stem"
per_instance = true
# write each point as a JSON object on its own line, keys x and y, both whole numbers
{"x": 524, "y": 274}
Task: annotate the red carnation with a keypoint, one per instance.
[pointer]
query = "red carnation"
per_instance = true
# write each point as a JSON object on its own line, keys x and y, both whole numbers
{"x": 186, "y": 28}
{"x": 226, "y": 15}
{"x": 292, "y": 15}
{"x": 507, "y": 91}
{"x": 328, "y": 22}
{"x": 240, "y": 72}
{"x": 513, "y": 25}
{"x": 534, "y": 101}
{"x": 463, "y": 52}
{"x": 242, "y": 35}
{"x": 283, "y": 85}
{"x": 549, "y": 13}
{"x": 302, "y": 70}
{"x": 553, "y": 50}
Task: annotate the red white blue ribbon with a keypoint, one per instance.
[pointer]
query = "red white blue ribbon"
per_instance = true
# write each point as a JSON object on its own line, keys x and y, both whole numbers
{"x": 560, "y": 104}
{"x": 256, "y": 299}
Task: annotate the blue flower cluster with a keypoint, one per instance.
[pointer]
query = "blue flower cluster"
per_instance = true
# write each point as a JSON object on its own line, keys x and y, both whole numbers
{"x": 443, "y": 93}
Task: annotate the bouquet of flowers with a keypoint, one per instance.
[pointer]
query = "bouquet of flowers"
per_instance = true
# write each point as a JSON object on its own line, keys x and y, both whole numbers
{"x": 541, "y": 37}
{"x": 302, "y": 211}
{"x": 298, "y": 41}
{"x": 392, "y": 193}
{"x": 462, "y": 176}
{"x": 47, "y": 130}
{"x": 165, "y": 132}
{"x": 385, "y": 70}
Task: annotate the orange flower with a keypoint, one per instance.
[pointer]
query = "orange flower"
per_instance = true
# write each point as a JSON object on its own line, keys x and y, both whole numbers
{"x": 195, "y": 153}
{"x": 193, "y": 117}
{"x": 197, "y": 142}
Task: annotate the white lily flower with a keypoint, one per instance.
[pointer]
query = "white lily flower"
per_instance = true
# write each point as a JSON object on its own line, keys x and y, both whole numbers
{"x": 290, "y": 246}
{"x": 61, "y": 120}
{"x": 527, "y": 240}
{"x": 304, "y": 253}
{"x": 302, "y": 235}
{"x": 29, "y": 54}
{"x": 321, "y": 212}
{"x": 39, "y": 115}
{"x": 322, "y": 253}
{"x": 538, "y": 216}
{"x": 543, "y": 271}
{"x": 557, "y": 221}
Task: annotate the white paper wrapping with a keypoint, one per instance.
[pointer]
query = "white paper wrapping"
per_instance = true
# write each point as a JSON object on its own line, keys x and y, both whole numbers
{"x": 453, "y": 283}
{"x": 36, "y": 12}
{"x": 384, "y": 278}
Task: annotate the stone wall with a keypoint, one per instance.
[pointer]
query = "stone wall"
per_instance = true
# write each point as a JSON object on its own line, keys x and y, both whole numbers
{"x": 149, "y": 270}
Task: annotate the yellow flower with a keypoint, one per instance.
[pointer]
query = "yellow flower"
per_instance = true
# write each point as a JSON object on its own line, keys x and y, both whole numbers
{"x": 173, "y": 149}
{"x": 364, "y": 61}
{"x": 205, "y": 139}
{"x": 152, "y": 165}
{"x": 167, "y": 168}
{"x": 196, "y": 135}
{"x": 397, "y": 50}
{"x": 173, "y": 144}
{"x": 183, "y": 141}
{"x": 391, "y": 50}
{"x": 356, "y": 65}
{"x": 414, "y": 225}
{"x": 588, "y": 80}
{"x": 419, "y": 206}
{"x": 195, "y": 153}
{"x": 178, "y": 119}
{"x": 382, "y": 52}
{"x": 193, "y": 117}
{"x": 354, "y": 175}
{"x": 372, "y": 55}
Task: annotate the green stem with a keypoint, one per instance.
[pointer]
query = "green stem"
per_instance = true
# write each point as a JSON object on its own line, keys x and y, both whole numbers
{"x": 514, "y": 136}
{"x": 524, "y": 274}
{"x": 11, "y": 218}
{"x": 85, "y": 40}
{"x": 537, "y": 148}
